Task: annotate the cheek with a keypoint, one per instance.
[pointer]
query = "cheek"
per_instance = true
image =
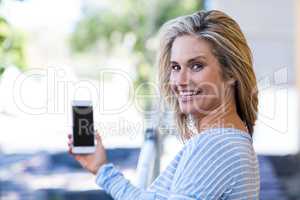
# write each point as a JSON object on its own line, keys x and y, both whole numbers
{"x": 209, "y": 81}
{"x": 211, "y": 89}
{"x": 203, "y": 105}
{"x": 211, "y": 98}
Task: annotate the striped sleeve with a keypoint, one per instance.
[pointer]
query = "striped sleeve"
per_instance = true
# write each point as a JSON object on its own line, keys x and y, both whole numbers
{"x": 206, "y": 168}
{"x": 114, "y": 183}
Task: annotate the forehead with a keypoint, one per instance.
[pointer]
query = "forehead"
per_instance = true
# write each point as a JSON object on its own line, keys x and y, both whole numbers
{"x": 189, "y": 46}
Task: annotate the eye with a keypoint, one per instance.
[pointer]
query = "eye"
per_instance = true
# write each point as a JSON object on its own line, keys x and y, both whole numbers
{"x": 196, "y": 67}
{"x": 175, "y": 67}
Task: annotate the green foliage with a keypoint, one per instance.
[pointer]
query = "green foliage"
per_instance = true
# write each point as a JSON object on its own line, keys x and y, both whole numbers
{"x": 12, "y": 47}
{"x": 143, "y": 18}
{"x": 138, "y": 16}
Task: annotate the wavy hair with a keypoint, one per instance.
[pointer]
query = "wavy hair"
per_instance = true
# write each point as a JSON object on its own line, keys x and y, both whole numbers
{"x": 231, "y": 50}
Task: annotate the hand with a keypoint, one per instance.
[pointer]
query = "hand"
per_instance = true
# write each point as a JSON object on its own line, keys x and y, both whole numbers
{"x": 91, "y": 162}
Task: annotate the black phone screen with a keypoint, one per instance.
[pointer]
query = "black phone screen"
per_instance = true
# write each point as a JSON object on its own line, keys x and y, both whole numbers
{"x": 83, "y": 127}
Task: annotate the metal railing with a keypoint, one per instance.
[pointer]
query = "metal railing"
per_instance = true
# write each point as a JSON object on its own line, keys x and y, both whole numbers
{"x": 148, "y": 166}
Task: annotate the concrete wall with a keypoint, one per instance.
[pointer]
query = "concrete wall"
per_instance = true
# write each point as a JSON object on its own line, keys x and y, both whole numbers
{"x": 297, "y": 52}
{"x": 271, "y": 28}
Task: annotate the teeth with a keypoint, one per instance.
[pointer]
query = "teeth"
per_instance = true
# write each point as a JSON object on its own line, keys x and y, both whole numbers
{"x": 188, "y": 93}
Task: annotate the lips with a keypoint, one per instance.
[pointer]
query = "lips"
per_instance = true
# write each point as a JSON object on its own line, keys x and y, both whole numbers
{"x": 188, "y": 95}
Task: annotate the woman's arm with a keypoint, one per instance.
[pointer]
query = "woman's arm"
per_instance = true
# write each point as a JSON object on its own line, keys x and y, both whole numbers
{"x": 107, "y": 176}
{"x": 113, "y": 182}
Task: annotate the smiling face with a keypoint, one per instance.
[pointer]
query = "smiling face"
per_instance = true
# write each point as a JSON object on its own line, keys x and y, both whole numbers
{"x": 196, "y": 76}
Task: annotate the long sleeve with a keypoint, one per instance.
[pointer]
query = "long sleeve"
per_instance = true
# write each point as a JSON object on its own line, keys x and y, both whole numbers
{"x": 220, "y": 164}
{"x": 114, "y": 183}
{"x": 213, "y": 166}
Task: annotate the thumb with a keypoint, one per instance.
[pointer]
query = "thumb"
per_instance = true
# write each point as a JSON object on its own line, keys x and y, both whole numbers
{"x": 98, "y": 138}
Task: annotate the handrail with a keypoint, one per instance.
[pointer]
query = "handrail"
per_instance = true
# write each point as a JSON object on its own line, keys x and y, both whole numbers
{"x": 149, "y": 159}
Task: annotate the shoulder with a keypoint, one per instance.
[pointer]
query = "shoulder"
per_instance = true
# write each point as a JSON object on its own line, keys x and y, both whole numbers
{"x": 210, "y": 160}
{"x": 219, "y": 136}
{"x": 218, "y": 144}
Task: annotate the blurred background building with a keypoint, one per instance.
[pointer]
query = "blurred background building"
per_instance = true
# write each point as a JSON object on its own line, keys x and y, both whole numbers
{"x": 271, "y": 29}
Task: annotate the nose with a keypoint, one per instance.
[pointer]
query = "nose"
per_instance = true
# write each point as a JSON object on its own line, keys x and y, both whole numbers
{"x": 182, "y": 78}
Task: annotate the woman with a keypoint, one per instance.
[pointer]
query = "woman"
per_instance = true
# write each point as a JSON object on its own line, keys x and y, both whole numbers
{"x": 206, "y": 75}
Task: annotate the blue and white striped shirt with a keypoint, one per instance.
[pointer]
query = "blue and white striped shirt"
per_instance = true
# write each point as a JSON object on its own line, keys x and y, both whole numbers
{"x": 219, "y": 163}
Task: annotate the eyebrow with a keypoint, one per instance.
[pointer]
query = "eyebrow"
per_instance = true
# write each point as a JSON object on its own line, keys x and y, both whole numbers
{"x": 191, "y": 59}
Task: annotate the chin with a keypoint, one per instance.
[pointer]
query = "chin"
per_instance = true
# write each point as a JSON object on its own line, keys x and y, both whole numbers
{"x": 193, "y": 109}
{"x": 188, "y": 109}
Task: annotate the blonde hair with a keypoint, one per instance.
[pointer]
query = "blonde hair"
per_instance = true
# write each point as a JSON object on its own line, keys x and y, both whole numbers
{"x": 230, "y": 48}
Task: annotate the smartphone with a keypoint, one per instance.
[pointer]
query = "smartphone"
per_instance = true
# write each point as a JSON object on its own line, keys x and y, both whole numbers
{"x": 83, "y": 127}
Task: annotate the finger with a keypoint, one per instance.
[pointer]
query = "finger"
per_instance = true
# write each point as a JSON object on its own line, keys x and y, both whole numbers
{"x": 70, "y": 141}
{"x": 98, "y": 136}
{"x": 70, "y": 151}
{"x": 98, "y": 139}
{"x": 70, "y": 145}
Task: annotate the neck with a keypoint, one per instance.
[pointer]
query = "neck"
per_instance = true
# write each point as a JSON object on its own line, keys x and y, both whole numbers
{"x": 224, "y": 116}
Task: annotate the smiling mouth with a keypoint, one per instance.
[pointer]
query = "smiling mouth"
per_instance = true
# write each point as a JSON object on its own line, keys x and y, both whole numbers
{"x": 188, "y": 95}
